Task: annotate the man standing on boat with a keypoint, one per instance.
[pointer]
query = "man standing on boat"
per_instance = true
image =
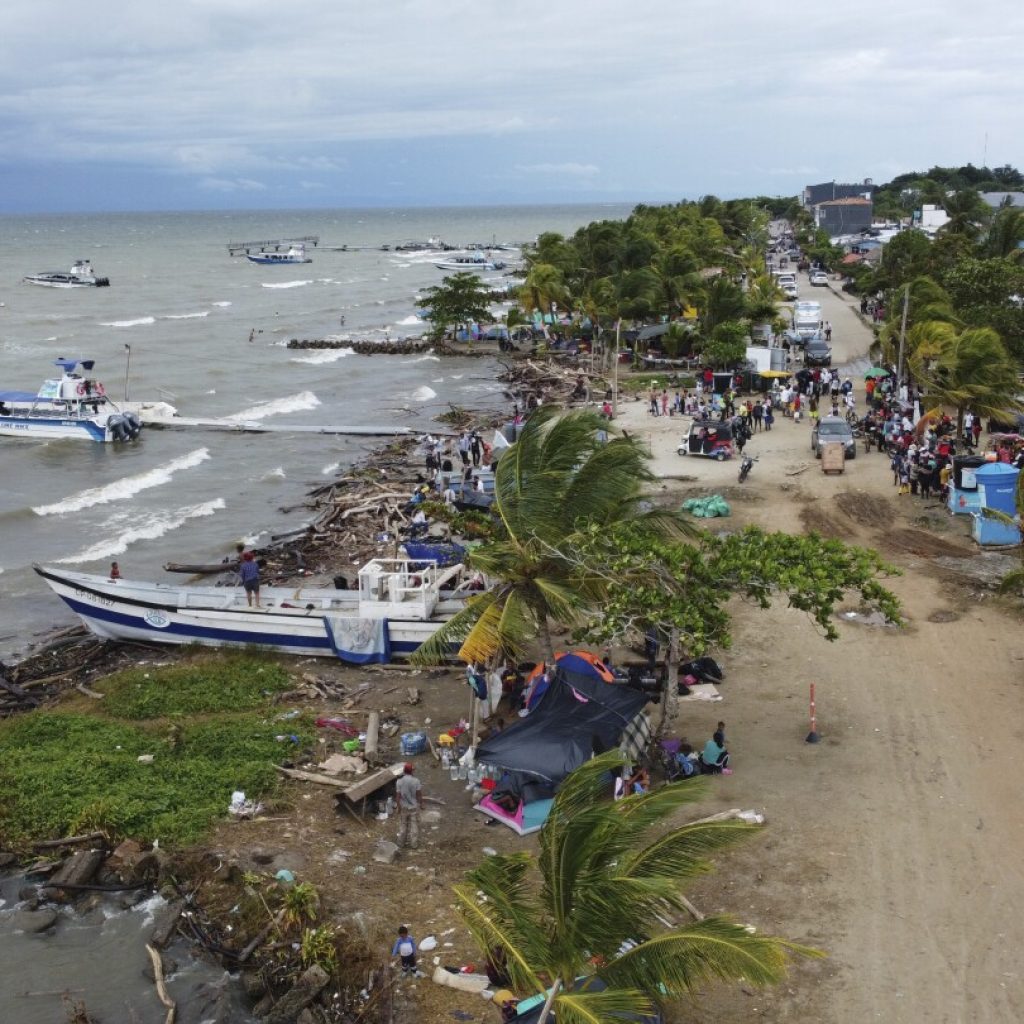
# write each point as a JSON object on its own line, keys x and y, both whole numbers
{"x": 249, "y": 574}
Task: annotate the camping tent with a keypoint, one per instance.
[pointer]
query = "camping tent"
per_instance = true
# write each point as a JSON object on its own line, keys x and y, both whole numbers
{"x": 582, "y": 712}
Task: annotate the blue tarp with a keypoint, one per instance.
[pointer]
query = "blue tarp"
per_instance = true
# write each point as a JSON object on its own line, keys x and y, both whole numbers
{"x": 443, "y": 554}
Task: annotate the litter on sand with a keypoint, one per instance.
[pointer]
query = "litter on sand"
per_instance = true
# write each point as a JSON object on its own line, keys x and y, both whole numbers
{"x": 707, "y": 508}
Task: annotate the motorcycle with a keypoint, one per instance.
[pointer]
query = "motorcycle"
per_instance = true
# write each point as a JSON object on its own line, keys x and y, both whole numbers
{"x": 746, "y": 464}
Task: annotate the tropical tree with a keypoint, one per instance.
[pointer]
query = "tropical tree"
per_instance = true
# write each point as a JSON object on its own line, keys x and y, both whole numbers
{"x": 682, "y": 590}
{"x": 461, "y": 298}
{"x": 969, "y": 369}
{"x": 544, "y": 291}
{"x": 722, "y": 300}
{"x": 591, "y": 906}
{"x": 727, "y": 345}
{"x": 967, "y": 211}
{"x": 558, "y": 477}
{"x": 1006, "y": 234}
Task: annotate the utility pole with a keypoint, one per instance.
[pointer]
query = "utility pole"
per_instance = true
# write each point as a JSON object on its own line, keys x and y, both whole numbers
{"x": 615, "y": 371}
{"x": 903, "y": 335}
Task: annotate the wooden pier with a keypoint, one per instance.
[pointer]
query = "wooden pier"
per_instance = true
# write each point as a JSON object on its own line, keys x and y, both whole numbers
{"x": 271, "y": 244}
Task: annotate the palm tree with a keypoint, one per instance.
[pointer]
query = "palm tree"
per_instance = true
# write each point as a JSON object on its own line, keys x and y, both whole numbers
{"x": 929, "y": 305}
{"x": 557, "y": 475}
{"x": 544, "y": 290}
{"x": 1006, "y": 234}
{"x": 969, "y": 369}
{"x": 722, "y": 300}
{"x": 591, "y": 906}
{"x": 966, "y": 210}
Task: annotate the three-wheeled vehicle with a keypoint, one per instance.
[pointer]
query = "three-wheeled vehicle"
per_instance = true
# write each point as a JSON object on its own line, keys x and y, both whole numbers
{"x": 708, "y": 438}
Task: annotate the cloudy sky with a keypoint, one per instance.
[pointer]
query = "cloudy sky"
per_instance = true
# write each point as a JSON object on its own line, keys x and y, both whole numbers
{"x": 201, "y": 104}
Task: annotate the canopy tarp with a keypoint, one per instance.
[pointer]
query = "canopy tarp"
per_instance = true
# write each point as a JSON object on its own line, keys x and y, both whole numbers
{"x": 580, "y": 714}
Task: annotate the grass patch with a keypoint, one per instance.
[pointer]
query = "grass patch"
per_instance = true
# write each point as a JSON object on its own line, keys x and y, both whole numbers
{"x": 67, "y": 771}
{"x": 208, "y": 684}
{"x": 673, "y": 380}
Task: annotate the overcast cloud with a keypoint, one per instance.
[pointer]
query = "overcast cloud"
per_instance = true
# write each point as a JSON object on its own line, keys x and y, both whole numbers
{"x": 223, "y": 103}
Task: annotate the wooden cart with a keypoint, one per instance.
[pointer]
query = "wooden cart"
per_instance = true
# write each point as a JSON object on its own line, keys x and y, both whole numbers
{"x": 833, "y": 458}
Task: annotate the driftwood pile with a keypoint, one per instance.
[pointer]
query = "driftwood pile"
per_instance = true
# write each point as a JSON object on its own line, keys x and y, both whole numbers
{"x": 552, "y": 383}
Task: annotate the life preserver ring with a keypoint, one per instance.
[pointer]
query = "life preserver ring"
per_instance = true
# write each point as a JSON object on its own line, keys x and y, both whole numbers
{"x": 99, "y": 389}
{"x": 80, "y": 390}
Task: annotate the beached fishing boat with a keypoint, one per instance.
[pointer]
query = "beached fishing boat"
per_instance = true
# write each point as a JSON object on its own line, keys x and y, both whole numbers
{"x": 398, "y": 604}
{"x": 471, "y": 261}
{"x": 292, "y": 255}
{"x": 73, "y": 405}
{"x": 81, "y": 275}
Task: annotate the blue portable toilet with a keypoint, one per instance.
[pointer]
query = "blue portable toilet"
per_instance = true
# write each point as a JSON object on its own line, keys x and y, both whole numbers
{"x": 997, "y": 488}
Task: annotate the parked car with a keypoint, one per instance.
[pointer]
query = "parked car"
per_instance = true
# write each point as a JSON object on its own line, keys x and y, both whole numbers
{"x": 833, "y": 430}
{"x": 790, "y": 291}
{"x": 817, "y": 352}
{"x": 819, "y": 278}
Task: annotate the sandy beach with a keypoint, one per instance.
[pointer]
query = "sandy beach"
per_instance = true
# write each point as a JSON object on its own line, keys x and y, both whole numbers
{"x": 893, "y": 844}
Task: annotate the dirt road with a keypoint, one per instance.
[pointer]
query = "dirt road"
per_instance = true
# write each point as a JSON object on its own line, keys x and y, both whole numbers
{"x": 895, "y": 843}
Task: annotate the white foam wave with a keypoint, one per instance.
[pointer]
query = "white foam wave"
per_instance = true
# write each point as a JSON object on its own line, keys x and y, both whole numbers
{"x": 410, "y": 321}
{"x": 186, "y": 316}
{"x": 292, "y": 403}
{"x": 330, "y": 355}
{"x": 326, "y": 471}
{"x": 124, "y": 488}
{"x": 156, "y": 525}
{"x": 424, "y": 394}
{"x": 277, "y": 473}
{"x": 140, "y": 322}
{"x": 287, "y": 284}
{"x": 221, "y": 304}
{"x": 424, "y": 359}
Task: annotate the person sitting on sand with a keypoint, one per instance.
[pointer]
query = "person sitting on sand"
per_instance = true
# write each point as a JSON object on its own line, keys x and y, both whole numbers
{"x": 715, "y": 758}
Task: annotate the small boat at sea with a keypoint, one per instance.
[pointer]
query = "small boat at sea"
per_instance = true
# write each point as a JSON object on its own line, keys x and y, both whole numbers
{"x": 470, "y": 261}
{"x": 398, "y": 604}
{"x": 81, "y": 275}
{"x": 74, "y": 405}
{"x": 294, "y": 254}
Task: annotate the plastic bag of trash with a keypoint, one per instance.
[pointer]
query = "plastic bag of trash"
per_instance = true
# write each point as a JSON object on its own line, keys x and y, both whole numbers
{"x": 242, "y": 808}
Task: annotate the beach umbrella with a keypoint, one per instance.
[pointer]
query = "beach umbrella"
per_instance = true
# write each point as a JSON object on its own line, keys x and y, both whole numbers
{"x": 876, "y": 371}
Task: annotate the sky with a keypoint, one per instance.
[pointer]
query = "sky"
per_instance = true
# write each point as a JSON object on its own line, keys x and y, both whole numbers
{"x": 262, "y": 104}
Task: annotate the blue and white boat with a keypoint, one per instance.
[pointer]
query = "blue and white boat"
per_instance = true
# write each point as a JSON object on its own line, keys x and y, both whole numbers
{"x": 472, "y": 262}
{"x": 398, "y": 604}
{"x": 74, "y": 405}
{"x": 294, "y": 254}
{"x": 81, "y": 275}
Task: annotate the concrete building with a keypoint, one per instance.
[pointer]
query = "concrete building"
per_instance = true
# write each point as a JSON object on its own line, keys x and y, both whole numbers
{"x": 930, "y": 218}
{"x": 844, "y": 216}
{"x": 831, "y": 190}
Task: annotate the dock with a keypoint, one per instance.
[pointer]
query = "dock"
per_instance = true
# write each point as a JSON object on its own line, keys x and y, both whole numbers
{"x": 272, "y": 244}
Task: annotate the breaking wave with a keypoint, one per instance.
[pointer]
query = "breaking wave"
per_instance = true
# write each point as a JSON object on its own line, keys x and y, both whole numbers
{"x": 124, "y": 488}
{"x": 279, "y": 406}
{"x": 331, "y": 355}
{"x": 140, "y": 322}
{"x": 287, "y": 284}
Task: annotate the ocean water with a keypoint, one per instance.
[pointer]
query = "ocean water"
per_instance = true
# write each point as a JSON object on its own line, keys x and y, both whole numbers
{"x": 186, "y": 311}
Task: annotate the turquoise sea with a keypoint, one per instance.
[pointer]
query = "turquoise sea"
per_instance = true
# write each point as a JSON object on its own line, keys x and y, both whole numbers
{"x": 185, "y": 311}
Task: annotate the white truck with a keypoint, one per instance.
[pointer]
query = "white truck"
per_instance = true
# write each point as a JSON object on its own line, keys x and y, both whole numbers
{"x": 807, "y": 319}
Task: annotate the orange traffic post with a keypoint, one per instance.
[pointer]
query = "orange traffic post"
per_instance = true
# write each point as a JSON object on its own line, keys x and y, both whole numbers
{"x": 812, "y": 736}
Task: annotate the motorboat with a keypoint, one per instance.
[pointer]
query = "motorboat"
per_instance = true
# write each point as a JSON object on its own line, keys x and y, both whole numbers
{"x": 74, "y": 405}
{"x": 293, "y": 254}
{"x": 470, "y": 261}
{"x": 81, "y": 275}
{"x": 398, "y": 604}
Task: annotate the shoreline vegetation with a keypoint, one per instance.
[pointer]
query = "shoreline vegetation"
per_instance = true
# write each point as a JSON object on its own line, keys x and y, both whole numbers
{"x": 106, "y": 748}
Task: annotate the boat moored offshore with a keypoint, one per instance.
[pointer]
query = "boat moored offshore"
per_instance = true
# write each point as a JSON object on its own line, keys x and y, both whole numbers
{"x": 81, "y": 275}
{"x": 73, "y": 405}
{"x": 293, "y": 254}
{"x": 469, "y": 262}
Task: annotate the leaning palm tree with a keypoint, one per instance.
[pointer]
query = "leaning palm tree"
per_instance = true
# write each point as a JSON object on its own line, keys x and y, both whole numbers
{"x": 586, "y": 919}
{"x": 969, "y": 369}
{"x": 544, "y": 290}
{"x": 558, "y": 475}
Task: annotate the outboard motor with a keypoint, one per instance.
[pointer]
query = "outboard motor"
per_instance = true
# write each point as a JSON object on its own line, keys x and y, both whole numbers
{"x": 117, "y": 427}
{"x": 133, "y": 424}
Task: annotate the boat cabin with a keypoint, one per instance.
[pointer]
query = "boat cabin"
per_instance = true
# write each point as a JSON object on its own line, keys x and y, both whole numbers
{"x": 401, "y": 588}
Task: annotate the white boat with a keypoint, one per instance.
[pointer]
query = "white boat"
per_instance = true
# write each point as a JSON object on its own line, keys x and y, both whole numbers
{"x": 398, "y": 605}
{"x": 471, "y": 262}
{"x": 294, "y": 254}
{"x": 81, "y": 275}
{"x": 73, "y": 405}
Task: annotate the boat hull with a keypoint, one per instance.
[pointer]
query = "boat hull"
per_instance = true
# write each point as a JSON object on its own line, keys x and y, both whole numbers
{"x": 45, "y": 429}
{"x": 153, "y": 614}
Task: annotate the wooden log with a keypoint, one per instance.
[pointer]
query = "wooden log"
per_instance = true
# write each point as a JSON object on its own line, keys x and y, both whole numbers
{"x": 161, "y": 989}
{"x": 372, "y": 733}
{"x": 323, "y": 780}
{"x": 52, "y": 844}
